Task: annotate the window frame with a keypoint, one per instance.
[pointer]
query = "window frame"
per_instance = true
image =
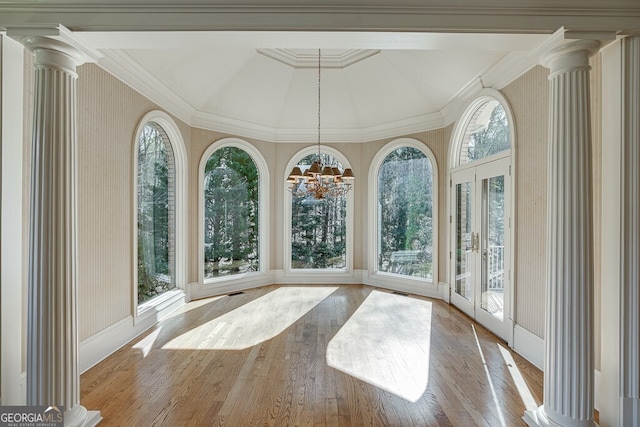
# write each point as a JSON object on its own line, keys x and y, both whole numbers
{"x": 321, "y": 275}
{"x": 263, "y": 213}
{"x": 169, "y": 126}
{"x": 409, "y": 283}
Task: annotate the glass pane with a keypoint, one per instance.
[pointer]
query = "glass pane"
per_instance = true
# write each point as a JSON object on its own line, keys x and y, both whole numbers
{"x": 493, "y": 247}
{"x": 487, "y": 133}
{"x": 318, "y": 226}
{"x": 231, "y": 243}
{"x": 463, "y": 240}
{"x": 156, "y": 213}
{"x": 405, "y": 221}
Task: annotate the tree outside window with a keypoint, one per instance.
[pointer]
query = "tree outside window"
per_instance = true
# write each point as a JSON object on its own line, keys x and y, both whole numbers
{"x": 318, "y": 227}
{"x": 156, "y": 213}
{"x": 405, "y": 217}
{"x": 231, "y": 239}
{"x": 488, "y": 133}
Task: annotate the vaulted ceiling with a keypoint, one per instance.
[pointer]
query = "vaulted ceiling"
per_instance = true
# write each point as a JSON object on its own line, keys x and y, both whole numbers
{"x": 265, "y": 85}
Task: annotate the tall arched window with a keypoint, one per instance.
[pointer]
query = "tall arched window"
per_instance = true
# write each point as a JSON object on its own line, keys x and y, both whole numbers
{"x": 156, "y": 213}
{"x": 405, "y": 220}
{"x": 319, "y": 226}
{"x": 231, "y": 213}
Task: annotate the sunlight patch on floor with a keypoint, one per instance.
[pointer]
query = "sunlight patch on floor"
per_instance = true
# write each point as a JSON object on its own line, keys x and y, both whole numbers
{"x": 490, "y": 382}
{"x": 193, "y": 305}
{"x": 254, "y": 322}
{"x": 146, "y": 344}
{"x": 525, "y": 394}
{"x": 386, "y": 343}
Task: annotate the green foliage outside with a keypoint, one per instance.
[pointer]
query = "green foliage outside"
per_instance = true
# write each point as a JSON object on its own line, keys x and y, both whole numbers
{"x": 155, "y": 269}
{"x": 405, "y": 217}
{"x": 318, "y": 227}
{"x": 491, "y": 139}
{"x": 231, "y": 213}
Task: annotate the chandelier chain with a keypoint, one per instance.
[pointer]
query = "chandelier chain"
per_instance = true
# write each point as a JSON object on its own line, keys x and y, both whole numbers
{"x": 319, "y": 100}
{"x": 320, "y": 181}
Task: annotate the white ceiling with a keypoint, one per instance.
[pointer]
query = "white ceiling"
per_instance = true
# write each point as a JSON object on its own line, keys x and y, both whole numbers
{"x": 264, "y": 84}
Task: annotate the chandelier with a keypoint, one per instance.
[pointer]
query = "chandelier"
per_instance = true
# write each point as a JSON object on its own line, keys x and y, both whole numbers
{"x": 320, "y": 181}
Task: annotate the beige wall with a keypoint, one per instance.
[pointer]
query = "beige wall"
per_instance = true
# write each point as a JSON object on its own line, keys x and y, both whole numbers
{"x": 528, "y": 97}
{"x": 108, "y": 114}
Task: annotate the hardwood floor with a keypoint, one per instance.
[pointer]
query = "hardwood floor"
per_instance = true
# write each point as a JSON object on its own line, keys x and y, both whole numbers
{"x": 314, "y": 356}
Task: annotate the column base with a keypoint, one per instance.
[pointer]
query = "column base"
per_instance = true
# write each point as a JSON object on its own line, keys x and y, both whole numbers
{"x": 93, "y": 419}
{"x": 80, "y": 417}
{"x": 538, "y": 418}
{"x": 630, "y": 411}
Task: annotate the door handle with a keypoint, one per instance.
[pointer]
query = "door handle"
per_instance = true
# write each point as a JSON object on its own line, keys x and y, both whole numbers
{"x": 475, "y": 242}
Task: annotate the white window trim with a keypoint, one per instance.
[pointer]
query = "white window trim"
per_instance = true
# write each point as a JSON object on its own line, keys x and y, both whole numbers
{"x": 376, "y": 164}
{"x": 327, "y": 273}
{"x": 181, "y": 198}
{"x": 263, "y": 214}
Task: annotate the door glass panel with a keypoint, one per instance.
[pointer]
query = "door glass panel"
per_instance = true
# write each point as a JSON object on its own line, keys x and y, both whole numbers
{"x": 493, "y": 246}
{"x": 463, "y": 240}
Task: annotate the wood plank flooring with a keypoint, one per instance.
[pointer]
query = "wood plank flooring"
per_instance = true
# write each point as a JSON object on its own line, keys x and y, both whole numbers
{"x": 314, "y": 356}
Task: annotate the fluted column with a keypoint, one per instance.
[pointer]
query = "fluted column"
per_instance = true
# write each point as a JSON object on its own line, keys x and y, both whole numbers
{"x": 568, "y": 370}
{"x": 52, "y": 350}
{"x": 630, "y": 233}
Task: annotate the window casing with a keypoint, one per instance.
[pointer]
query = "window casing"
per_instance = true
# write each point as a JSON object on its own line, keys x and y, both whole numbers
{"x": 223, "y": 168}
{"x": 404, "y": 213}
{"x": 327, "y": 270}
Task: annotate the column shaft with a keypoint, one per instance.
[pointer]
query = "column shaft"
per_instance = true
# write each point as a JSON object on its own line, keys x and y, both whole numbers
{"x": 52, "y": 353}
{"x": 630, "y": 233}
{"x": 568, "y": 372}
{"x": 568, "y": 385}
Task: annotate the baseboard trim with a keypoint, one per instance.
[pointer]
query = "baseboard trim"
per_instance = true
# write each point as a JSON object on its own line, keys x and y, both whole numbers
{"x": 596, "y": 389}
{"x": 101, "y": 345}
{"x": 412, "y": 286}
{"x": 282, "y": 277}
{"x": 529, "y": 345}
{"x": 197, "y": 290}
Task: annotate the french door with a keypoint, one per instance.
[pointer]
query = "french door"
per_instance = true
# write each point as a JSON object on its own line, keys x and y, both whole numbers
{"x": 480, "y": 237}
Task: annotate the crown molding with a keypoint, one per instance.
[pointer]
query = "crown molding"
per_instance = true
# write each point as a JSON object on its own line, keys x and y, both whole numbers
{"x": 244, "y": 129}
{"x": 357, "y": 15}
{"x": 123, "y": 67}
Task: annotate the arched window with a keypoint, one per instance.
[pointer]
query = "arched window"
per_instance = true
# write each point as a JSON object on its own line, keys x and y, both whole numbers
{"x": 231, "y": 214}
{"x": 318, "y": 226}
{"x": 486, "y": 133}
{"x": 405, "y": 215}
{"x": 156, "y": 212}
